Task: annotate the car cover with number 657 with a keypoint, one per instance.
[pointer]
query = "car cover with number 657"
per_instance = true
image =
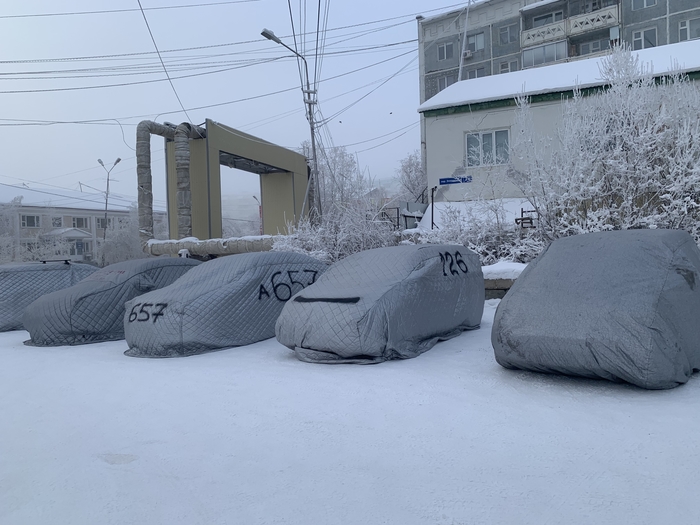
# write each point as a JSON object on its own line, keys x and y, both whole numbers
{"x": 229, "y": 301}
{"x": 387, "y": 303}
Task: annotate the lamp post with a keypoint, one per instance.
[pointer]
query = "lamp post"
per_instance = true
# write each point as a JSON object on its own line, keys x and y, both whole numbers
{"x": 314, "y": 204}
{"x": 260, "y": 218}
{"x": 104, "y": 231}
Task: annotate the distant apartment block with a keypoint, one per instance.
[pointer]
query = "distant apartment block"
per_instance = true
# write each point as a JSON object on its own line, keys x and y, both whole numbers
{"x": 499, "y": 36}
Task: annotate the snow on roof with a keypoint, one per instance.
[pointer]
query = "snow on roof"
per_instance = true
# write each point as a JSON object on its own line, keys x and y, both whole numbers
{"x": 49, "y": 197}
{"x": 683, "y": 57}
{"x": 539, "y": 4}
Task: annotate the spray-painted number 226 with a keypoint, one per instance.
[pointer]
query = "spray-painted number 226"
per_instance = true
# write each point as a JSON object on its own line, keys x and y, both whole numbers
{"x": 146, "y": 312}
{"x": 449, "y": 261}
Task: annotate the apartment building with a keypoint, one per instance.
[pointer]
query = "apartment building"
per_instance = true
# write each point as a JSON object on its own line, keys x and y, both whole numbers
{"x": 58, "y": 224}
{"x": 499, "y": 36}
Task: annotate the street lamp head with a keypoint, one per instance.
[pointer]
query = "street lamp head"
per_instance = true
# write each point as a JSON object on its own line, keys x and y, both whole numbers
{"x": 101, "y": 163}
{"x": 270, "y": 36}
{"x": 117, "y": 161}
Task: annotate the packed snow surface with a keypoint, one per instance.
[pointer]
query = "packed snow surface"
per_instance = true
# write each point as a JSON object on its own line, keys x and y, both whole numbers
{"x": 503, "y": 270}
{"x": 250, "y": 435}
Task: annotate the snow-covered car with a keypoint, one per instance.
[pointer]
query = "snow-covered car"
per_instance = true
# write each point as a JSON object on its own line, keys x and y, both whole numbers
{"x": 21, "y": 284}
{"x": 93, "y": 310}
{"x": 386, "y": 303}
{"x": 618, "y": 305}
{"x": 229, "y": 301}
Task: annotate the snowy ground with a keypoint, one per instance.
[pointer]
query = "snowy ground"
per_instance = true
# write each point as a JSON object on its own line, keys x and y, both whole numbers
{"x": 252, "y": 436}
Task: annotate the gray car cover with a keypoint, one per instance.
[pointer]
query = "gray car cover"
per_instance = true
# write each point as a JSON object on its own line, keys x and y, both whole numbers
{"x": 20, "y": 284}
{"x": 387, "y": 303}
{"x": 93, "y": 310}
{"x": 229, "y": 301}
{"x": 622, "y": 305}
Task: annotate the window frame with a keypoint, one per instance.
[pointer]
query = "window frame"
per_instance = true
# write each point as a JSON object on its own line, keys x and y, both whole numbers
{"x": 511, "y": 34}
{"x": 87, "y": 223}
{"x": 486, "y": 148}
{"x": 476, "y": 42}
{"x": 36, "y": 220}
{"x": 560, "y": 43}
{"x": 687, "y": 28}
{"x": 642, "y": 38}
{"x": 645, "y": 4}
{"x": 474, "y": 73}
{"x": 443, "y": 47}
{"x": 553, "y": 14}
{"x": 509, "y": 65}
{"x": 100, "y": 220}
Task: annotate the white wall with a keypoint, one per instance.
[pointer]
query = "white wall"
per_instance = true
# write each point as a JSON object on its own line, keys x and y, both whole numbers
{"x": 446, "y": 150}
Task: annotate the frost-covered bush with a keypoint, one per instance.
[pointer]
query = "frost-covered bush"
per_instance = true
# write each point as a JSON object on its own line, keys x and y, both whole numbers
{"x": 352, "y": 219}
{"x": 485, "y": 230}
{"x": 627, "y": 156}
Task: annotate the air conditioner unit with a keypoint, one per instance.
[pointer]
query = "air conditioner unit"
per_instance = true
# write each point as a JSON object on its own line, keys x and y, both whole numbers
{"x": 467, "y": 54}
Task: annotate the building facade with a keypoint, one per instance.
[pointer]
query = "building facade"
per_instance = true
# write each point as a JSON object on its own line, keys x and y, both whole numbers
{"x": 468, "y": 127}
{"x": 60, "y": 224}
{"x": 500, "y": 36}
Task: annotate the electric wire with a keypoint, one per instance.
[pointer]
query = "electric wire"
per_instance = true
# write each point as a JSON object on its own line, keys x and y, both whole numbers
{"x": 112, "y": 11}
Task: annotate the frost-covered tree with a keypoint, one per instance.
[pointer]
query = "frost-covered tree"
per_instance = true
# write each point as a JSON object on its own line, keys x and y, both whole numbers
{"x": 121, "y": 241}
{"x": 353, "y": 217}
{"x": 626, "y": 156}
{"x": 412, "y": 179}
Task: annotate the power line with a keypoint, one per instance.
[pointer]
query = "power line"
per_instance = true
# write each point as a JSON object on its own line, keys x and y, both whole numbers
{"x": 212, "y": 46}
{"x": 161, "y": 61}
{"x": 110, "y": 11}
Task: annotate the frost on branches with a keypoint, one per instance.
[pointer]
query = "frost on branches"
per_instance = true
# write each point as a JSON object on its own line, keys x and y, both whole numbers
{"x": 353, "y": 217}
{"x": 624, "y": 157}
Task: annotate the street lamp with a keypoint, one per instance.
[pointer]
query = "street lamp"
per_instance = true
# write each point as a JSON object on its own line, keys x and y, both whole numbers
{"x": 314, "y": 204}
{"x": 104, "y": 236}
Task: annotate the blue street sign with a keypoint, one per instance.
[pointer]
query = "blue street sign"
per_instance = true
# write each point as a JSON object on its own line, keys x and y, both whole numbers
{"x": 455, "y": 180}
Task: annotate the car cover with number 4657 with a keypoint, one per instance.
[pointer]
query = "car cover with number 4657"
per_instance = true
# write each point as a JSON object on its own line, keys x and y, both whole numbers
{"x": 229, "y": 301}
{"x": 387, "y": 303}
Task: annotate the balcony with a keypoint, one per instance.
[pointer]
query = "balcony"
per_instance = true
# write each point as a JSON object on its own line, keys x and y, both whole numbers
{"x": 574, "y": 26}
{"x": 606, "y": 17}
{"x": 539, "y": 35}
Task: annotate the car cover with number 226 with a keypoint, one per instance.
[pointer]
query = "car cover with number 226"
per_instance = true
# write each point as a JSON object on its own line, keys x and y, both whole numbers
{"x": 229, "y": 301}
{"x": 387, "y": 303}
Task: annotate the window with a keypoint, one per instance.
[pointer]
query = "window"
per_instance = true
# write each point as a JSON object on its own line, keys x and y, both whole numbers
{"x": 507, "y": 67}
{"x": 446, "y": 80}
{"x": 56, "y": 222}
{"x": 487, "y": 148}
{"x": 689, "y": 29}
{"x": 476, "y": 73}
{"x": 31, "y": 221}
{"x": 543, "y": 54}
{"x": 508, "y": 34}
{"x": 101, "y": 222}
{"x": 594, "y": 47}
{"x": 445, "y": 51}
{"x": 547, "y": 19}
{"x": 475, "y": 42}
{"x": 644, "y": 39}
{"x": 641, "y": 4}
{"x": 82, "y": 223}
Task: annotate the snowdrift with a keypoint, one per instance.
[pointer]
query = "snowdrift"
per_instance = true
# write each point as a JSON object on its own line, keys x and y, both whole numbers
{"x": 20, "y": 284}
{"x": 93, "y": 310}
{"x": 229, "y": 301}
{"x": 622, "y": 306}
{"x": 387, "y": 303}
